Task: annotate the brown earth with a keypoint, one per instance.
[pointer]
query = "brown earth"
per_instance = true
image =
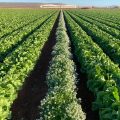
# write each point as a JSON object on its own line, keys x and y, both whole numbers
{"x": 82, "y": 91}
{"x": 35, "y": 86}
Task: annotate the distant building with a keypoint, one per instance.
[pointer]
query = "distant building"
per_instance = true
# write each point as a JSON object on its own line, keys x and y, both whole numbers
{"x": 57, "y": 6}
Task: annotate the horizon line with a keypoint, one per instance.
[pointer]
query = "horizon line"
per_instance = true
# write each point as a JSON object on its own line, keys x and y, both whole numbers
{"x": 60, "y": 3}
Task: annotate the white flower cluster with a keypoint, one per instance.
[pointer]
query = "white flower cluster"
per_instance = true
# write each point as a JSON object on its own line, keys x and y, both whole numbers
{"x": 60, "y": 102}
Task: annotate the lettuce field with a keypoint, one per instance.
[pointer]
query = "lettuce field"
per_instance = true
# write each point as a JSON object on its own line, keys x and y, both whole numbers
{"x": 59, "y": 64}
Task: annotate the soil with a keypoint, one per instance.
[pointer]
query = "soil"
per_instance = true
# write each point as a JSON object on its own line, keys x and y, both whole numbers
{"x": 35, "y": 87}
{"x": 25, "y": 107}
{"x": 89, "y": 33}
{"x": 24, "y": 38}
{"x": 82, "y": 91}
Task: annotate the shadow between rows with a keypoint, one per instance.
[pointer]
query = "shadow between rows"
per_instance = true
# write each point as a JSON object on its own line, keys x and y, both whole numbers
{"x": 83, "y": 92}
{"x": 35, "y": 86}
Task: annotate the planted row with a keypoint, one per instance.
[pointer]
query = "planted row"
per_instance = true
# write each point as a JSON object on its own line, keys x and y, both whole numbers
{"x": 19, "y": 64}
{"x": 11, "y": 42}
{"x": 102, "y": 17}
{"x": 60, "y": 102}
{"x": 108, "y": 43}
{"x": 103, "y": 75}
{"x": 10, "y": 20}
{"x": 112, "y": 31}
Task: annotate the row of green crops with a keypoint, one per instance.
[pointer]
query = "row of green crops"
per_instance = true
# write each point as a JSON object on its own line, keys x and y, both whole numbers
{"x": 112, "y": 31}
{"x": 108, "y": 43}
{"x": 112, "y": 20}
{"x": 96, "y": 39}
{"x": 103, "y": 74}
{"x": 11, "y": 20}
{"x": 10, "y": 46}
{"x": 12, "y": 41}
{"x": 60, "y": 102}
{"x": 19, "y": 64}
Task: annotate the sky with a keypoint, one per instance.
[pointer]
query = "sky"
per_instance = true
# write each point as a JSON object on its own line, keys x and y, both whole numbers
{"x": 75, "y": 2}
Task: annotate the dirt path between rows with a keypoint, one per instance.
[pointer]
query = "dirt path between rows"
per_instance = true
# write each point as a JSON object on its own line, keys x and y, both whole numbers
{"x": 82, "y": 91}
{"x": 35, "y": 87}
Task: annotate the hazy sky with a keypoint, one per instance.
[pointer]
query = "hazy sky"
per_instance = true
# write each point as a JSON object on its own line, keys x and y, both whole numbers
{"x": 80, "y": 2}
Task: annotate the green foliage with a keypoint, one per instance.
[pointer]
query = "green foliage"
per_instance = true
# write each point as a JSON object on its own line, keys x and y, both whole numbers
{"x": 18, "y": 64}
{"x": 103, "y": 74}
{"x": 61, "y": 102}
{"x": 107, "y": 42}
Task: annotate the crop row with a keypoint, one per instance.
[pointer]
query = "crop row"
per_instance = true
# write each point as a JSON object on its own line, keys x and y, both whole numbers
{"x": 60, "y": 102}
{"x": 111, "y": 20}
{"x": 5, "y": 66}
{"x": 11, "y": 20}
{"x": 108, "y": 43}
{"x": 103, "y": 75}
{"x": 11, "y": 42}
{"x": 20, "y": 62}
{"x": 112, "y": 31}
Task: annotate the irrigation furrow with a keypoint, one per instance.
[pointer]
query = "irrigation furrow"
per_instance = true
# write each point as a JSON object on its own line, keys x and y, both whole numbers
{"x": 24, "y": 38}
{"x": 35, "y": 87}
{"x": 109, "y": 44}
{"x": 83, "y": 92}
{"x": 16, "y": 31}
{"x": 110, "y": 30}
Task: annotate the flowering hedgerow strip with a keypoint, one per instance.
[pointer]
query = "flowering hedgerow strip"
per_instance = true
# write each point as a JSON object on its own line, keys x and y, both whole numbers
{"x": 60, "y": 102}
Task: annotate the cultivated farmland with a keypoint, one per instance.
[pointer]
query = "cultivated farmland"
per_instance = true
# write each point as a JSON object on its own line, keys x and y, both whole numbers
{"x": 59, "y": 64}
